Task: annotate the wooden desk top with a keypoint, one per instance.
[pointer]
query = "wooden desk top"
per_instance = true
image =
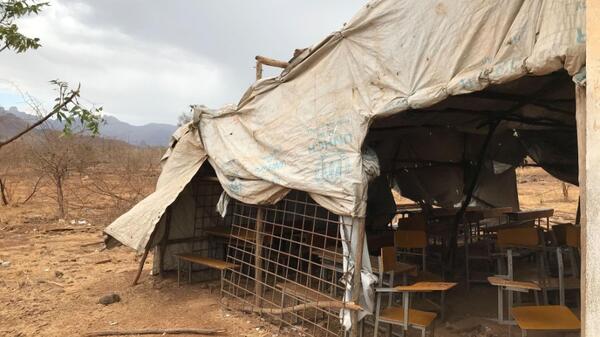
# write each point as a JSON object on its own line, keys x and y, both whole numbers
{"x": 427, "y": 286}
{"x": 206, "y": 261}
{"x": 546, "y": 317}
{"x": 330, "y": 253}
{"x": 530, "y": 214}
{"x": 501, "y": 282}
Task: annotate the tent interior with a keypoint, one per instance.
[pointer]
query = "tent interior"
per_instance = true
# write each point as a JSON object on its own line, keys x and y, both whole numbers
{"x": 455, "y": 158}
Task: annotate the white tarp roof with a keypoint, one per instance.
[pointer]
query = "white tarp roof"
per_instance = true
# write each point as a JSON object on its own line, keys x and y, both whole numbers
{"x": 181, "y": 162}
{"x": 305, "y": 129}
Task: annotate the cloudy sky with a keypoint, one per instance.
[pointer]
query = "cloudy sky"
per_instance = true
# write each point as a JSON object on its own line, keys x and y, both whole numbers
{"x": 147, "y": 61}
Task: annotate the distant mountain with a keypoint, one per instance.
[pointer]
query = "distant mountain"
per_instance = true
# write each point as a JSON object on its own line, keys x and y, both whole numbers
{"x": 153, "y": 134}
{"x": 10, "y": 122}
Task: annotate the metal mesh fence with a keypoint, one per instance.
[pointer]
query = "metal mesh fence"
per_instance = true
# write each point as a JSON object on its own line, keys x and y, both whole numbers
{"x": 290, "y": 260}
{"x": 206, "y": 220}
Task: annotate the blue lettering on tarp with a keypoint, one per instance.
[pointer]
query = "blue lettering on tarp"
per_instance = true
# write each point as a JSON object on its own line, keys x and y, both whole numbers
{"x": 271, "y": 164}
{"x": 332, "y": 162}
{"x": 235, "y": 186}
{"x": 505, "y": 68}
{"x": 331, "y": 141}
{"x": 328, "y": 136}
{"x": 516, "y": 38}
{"x": 468, "y": 84}
{"x": 580, "y": 35}
{"x": 332, "y": 167}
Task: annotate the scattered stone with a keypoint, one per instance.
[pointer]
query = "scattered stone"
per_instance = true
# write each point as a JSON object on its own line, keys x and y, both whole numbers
{"x": 109, "y": 299}
{"x": 478, "y": 331}
{"x": 58, "y": 274}
{"x": 5, "y": 264}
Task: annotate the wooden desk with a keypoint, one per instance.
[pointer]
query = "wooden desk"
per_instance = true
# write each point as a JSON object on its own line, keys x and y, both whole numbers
{"x": 531, "y": 215}
{"x": 426, "y": 287}
{"x": 204, "y": 261}
{"x": 546, "y": 318}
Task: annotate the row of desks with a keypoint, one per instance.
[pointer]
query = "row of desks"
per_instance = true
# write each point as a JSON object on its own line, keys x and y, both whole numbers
{"x": 477, "y": 214}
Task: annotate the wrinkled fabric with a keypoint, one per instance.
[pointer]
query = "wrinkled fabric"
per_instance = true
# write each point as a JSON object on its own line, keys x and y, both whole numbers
{"x": 305, "y": 129}
{"x": 349, "y": 233}
{"x": 180, "y": 164}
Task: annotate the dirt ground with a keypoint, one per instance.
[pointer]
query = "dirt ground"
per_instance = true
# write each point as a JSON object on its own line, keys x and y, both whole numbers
{"x": 55, "y": 271}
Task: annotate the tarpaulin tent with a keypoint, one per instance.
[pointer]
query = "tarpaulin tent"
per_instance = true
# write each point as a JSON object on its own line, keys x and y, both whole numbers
{"x": 426, "y": 77}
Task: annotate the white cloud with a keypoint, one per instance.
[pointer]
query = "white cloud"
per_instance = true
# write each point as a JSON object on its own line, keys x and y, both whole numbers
{"x": 145, "y": 62}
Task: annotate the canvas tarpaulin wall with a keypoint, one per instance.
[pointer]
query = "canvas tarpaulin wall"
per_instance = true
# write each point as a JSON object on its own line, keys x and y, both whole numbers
{"x": 305, "y": 129}
{"x": 181, "y": 162}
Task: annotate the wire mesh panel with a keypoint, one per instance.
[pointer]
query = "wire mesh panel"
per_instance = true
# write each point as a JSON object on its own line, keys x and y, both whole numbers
{"x": 291, "y": 264}
{"x": 207, "y": 221}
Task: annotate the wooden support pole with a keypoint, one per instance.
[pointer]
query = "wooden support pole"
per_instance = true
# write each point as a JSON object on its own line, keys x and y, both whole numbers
{"x": 260, "y": 60}
{"x": 357, "y": 278}
{"x": 141, "y": 266}
{"x": 258, "y": 70}
{"x": 271, "y": 62}
{"x": 258, "y": 267}
{"x": 143, "y": 260}
{"x": 303, "y": 306}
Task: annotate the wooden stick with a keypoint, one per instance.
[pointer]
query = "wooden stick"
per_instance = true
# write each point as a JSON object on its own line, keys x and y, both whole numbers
{"x": 141, "y": 266}
{"x": 67, "y": 100}
{"x": 303, "y": 306}
{"x": 156, "y": 332}
{"x": 91, "y": 244}
{"x": 258, "y": 70}
{"x": 271, "y": 62}
{"x": 59, "y": 229}
{"x": 103, "y": 261}
{"x": 258, "y": 272}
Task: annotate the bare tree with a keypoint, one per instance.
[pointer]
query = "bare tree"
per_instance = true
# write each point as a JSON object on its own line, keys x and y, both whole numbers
{"x": 4, "y": 194}
{"x": 56, "y": 155}
{"x": 12, "y": 176}
{"x": 565, "y": 191}
{"x": 123, "y": 178}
